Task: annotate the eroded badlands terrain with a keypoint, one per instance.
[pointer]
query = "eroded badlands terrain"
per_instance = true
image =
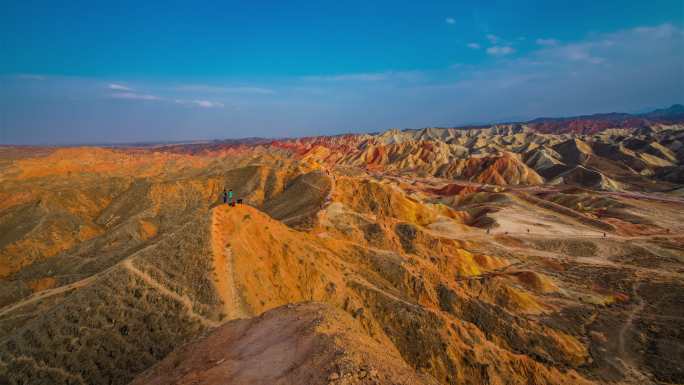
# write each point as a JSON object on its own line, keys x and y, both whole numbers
{"x": 510, "y": 254}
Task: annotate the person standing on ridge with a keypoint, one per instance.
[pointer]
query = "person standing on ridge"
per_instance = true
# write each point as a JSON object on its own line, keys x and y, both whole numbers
{"x": 230, "y": 196}
{"x": 225, "y": 196}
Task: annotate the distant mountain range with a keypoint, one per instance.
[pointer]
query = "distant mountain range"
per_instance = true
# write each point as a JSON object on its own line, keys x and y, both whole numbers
{"x": 588, "y": 124}
{"x": 583, "y": 124}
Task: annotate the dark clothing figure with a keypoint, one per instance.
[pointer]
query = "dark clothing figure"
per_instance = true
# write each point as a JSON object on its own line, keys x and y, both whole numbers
{"x": 225, "y": 196}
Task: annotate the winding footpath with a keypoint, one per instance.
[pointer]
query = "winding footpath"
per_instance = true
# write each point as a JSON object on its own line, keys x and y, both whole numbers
{"x": 48, "y": 293}
{"x": 224, "y": 267}
{"x": 184, "y": 300}
{"x": 62, "y": 289}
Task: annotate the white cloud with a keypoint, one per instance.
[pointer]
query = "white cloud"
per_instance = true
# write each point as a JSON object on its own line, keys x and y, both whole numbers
{"x": 363, "y": 77}
{"x": 500, "y": 50}
{"x": 473, "y": 46}
{"x": 573, "y": 78}
{"x": 493, "y": 38}
{"x": 408, "y": 76}
{"x": 659, "y": 32}
{"x": 604, "y": 48}
{"x": 562, "y": 79}
{"x": 118, "y": 87}
{"x": 226, "y": 89}
{"x": 203, "y": 103}
{"x": 547, "y": 42}
{"x": 200, "y": 103}
{"x": 135, "y": 96}
{"x": 450, "y": 20}
{"x": 578, "y": 52}
{"x": 208, "y": 104}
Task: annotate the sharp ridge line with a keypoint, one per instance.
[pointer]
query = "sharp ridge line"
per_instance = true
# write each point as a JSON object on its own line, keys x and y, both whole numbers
{"x": 224, "y": 269}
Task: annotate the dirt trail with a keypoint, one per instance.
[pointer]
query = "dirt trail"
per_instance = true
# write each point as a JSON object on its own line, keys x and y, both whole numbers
{"x": 527, "y": 218}
{"x": 184, "y": 300}
{"x": 629, "y": 321}
{"x": 48, "y": 293}
{"x": 326, "y": 201}
{"x": 481, "y": 236}
{"x": 224, "y": 268}
{"x": 74, "y": 285}
{"x": 331, "y": 190}
{"x": 328, "y": 198}
{"x": 533, "y": 235}
{"x": 625, "y": 356}
{"x": 128, "y": 265}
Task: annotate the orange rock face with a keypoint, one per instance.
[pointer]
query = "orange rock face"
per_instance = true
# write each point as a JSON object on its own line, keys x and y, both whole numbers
{"x": 496, "y": 255}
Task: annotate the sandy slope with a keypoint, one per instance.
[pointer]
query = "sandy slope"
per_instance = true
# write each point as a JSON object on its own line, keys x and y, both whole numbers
{"x": 298, "y": 344}
{"x": 139, "y": 256}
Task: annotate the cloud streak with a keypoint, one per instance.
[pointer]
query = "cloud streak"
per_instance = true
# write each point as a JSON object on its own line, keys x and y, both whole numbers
{"x": 226, "y": 89}
{"x": 500, "y": 50}
{"x": 118, "y": 87}
{"x": 200, "y": 103}
{"x": 626, "y": 70}
{"x": 493, "y": 38}
{"x": 370, "y": 77}
{"x": 135, "y": 96}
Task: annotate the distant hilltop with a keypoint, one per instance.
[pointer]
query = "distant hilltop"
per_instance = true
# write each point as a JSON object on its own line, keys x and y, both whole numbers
{"x": 580, "y": 125}
{"x": 583, "y": 124}
{"x": 589, "y": 124}
{"x": 645, "y": 123}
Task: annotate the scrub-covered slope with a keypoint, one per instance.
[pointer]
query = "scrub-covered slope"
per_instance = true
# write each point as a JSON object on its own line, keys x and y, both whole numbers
{"x": 495, "y": 255}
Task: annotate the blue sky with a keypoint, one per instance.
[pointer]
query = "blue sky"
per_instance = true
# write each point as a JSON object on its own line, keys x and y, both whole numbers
{"x": 88, "y": 71}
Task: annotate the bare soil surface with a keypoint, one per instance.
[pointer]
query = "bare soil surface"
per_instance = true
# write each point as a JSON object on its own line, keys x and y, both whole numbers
{"x": 224, "y": 270}
{"x": 487, "y": 256}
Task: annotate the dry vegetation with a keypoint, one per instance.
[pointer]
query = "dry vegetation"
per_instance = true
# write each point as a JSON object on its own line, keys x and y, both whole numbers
{"x": 115, "y": 263}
